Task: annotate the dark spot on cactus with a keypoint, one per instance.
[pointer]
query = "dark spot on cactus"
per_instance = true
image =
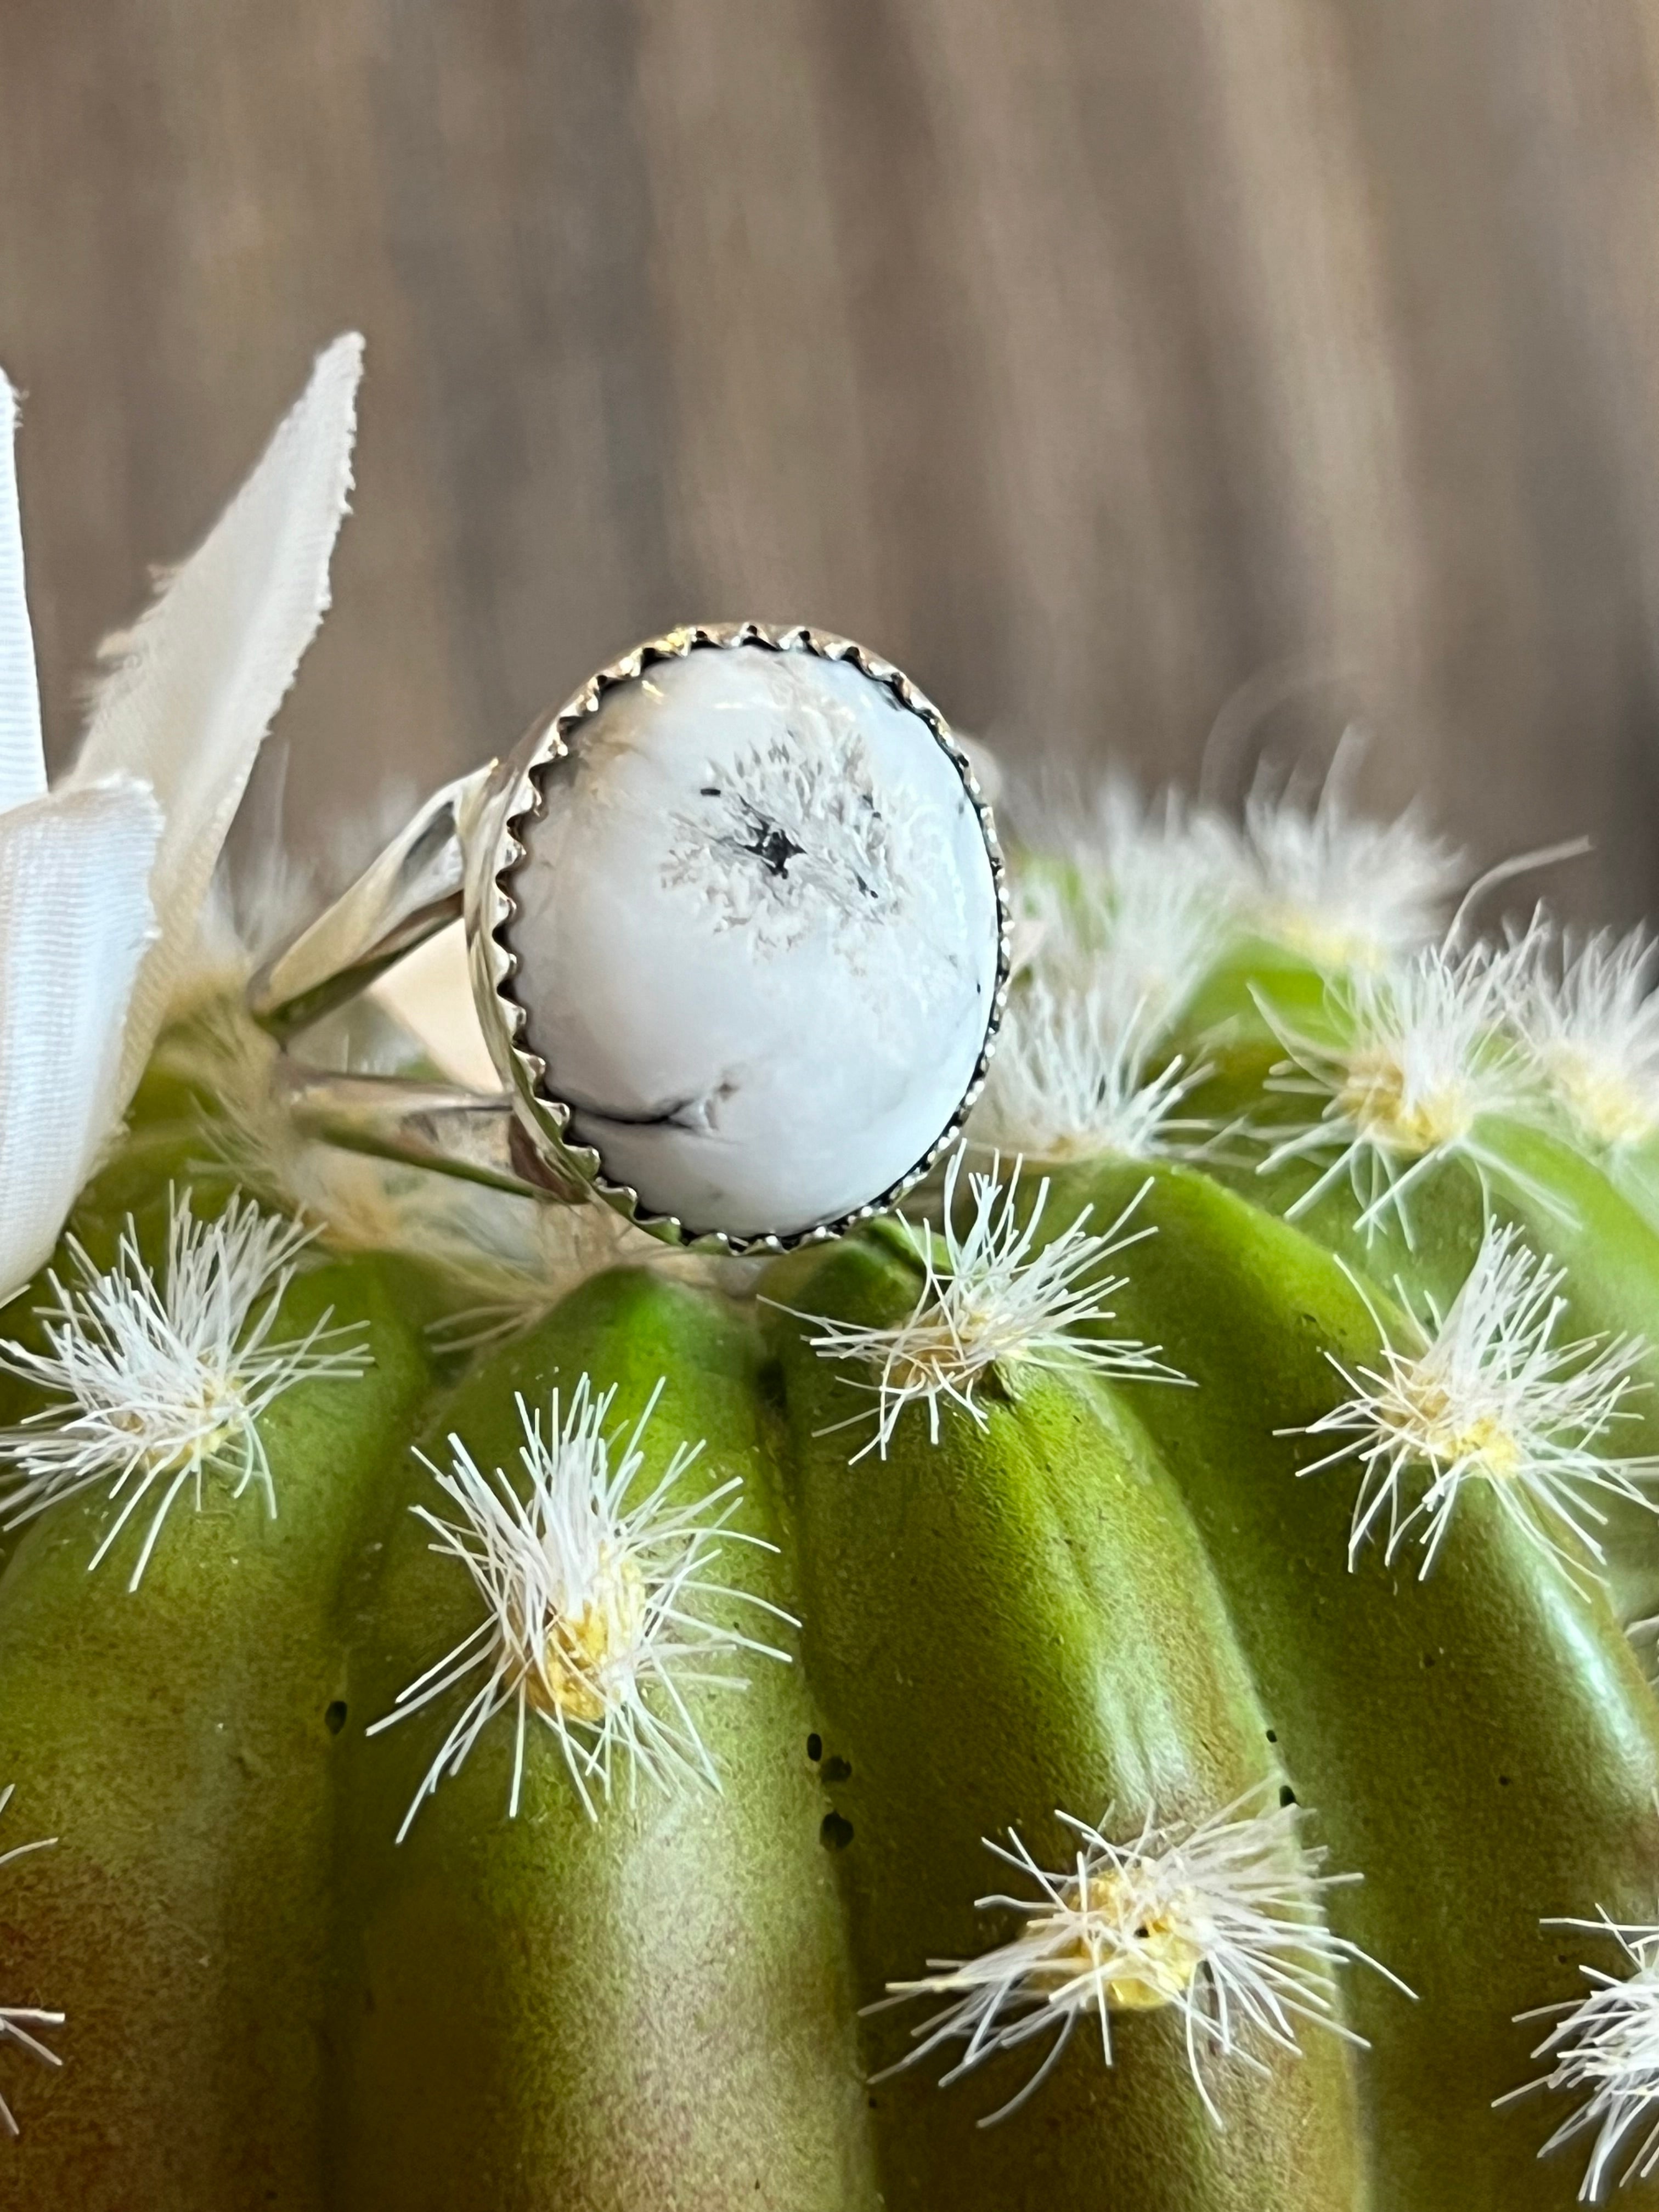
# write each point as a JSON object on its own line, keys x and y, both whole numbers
{"x": 815, "y": 1746}
{"x": 1428, "y": 1658}
{"x": 1286, "y": 1795}
{"x": 837, "y": 1769}
{"x": 835, "y": 1833}
{"x": 1273, "y": 1735}
{"x": 1502, "y": 1781}
{"x": 334, "y": 1717}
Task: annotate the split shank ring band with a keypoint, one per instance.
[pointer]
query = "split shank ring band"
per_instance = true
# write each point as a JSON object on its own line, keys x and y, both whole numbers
{"x": 738, "y": 935}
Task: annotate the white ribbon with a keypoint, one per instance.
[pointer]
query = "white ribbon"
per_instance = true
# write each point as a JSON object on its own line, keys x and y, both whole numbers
{"x": 102, "y": 880}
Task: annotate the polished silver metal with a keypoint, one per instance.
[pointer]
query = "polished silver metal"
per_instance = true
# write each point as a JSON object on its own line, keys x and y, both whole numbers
{"x": 471, "y": 1134}
{"x": 408, "y": 893}
{"x": 458, "y": 858}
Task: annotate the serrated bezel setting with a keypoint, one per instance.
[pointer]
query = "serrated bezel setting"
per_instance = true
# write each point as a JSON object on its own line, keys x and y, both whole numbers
{"x": 572, "y": 1169}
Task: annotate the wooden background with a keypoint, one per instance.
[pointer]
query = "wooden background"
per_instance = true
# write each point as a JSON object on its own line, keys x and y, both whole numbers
{"x": 1116, "y": 366}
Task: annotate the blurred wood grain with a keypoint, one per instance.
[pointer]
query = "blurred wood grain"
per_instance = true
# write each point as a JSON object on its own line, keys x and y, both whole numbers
{"x": 1140, "y": 378}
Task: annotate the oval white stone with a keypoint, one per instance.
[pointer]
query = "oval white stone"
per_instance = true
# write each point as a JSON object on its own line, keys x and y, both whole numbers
{"x": 757, "y": 933}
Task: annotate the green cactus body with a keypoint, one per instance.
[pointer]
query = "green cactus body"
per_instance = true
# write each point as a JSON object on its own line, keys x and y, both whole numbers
{"x": 181, "y": 1740}
{"x": 1108, "y": 1594}
{"x": 651, "y": 2003}
{"x": 321, "y": 1945}
{"x": 1564, "y": 1203}
{"x": 999, "y": 1624}
{"x": 1490, "y": 1700}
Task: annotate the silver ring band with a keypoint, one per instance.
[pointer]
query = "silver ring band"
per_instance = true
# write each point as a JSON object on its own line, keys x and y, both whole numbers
{"x": 466, "y": 853}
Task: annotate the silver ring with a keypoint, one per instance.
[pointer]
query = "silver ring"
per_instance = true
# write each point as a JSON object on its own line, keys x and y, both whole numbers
{"x": 739, "y": 936}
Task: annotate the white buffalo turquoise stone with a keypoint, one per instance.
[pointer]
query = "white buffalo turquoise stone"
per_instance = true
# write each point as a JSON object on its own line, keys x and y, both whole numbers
{"x": 757, "y": 935}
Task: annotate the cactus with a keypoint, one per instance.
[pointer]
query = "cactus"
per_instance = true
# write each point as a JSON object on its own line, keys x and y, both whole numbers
{"x": 1123, "y": 1686}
